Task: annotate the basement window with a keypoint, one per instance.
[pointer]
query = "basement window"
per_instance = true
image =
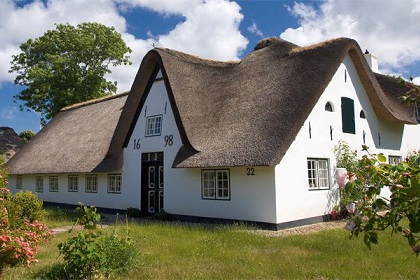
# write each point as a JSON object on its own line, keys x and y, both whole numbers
{"x": 153, "y": 125}
{"x": 318, "y": 174}
{"x": 215, "y": 184}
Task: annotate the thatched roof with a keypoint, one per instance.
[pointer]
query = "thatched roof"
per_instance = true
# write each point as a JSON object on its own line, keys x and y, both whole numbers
{"x": 240, "y": 113}
{"x": 76, "y": 140}
{"x": 249, "y": 112}
{"x": 10, "y": 142}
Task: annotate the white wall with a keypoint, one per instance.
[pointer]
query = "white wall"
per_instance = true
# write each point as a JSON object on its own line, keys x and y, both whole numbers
{"x": 294, "y": 199}
{"x": 252, "y": 197}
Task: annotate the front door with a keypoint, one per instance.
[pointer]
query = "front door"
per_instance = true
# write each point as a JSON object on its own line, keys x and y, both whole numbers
{"x": 152, "y": 183}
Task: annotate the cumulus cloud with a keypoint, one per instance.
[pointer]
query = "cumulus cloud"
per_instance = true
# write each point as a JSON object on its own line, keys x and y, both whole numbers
{"x": 207, "y": 28}
{"x": 388, "y": 29}
{"x": 210, "y": 28}
{"x": 254, "y": 30}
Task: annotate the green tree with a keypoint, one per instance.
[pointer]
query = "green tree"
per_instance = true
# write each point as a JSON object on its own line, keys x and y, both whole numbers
{"x": 26, "y": 135}
{"x": 66, "y": 66}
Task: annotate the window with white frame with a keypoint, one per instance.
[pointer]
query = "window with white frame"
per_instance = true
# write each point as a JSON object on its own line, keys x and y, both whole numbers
{"x": 394, "y": 160}
{"x": 73, "y": 182}
{"x": 53, "y": 183}
{"x": 92, "y": 183}
{"x": 39, "y": 184}
{"x": 318, "y": 174}
{"x": 215, "y": 184}
{"x": 19, "y": 181}
{"x": 154, "y": 125}
{"x": 114, "y": 183}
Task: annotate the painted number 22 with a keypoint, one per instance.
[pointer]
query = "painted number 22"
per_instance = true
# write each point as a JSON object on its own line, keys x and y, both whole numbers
{"x": 250, "y": 171}
{"x": 169, "y": 140}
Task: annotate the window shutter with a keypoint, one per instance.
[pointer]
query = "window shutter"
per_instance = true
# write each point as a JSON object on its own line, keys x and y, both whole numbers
{"x": 347, "y": 115}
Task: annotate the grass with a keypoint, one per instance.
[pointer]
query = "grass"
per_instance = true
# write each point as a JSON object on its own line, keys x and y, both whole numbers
{"x": 179, "y": 251}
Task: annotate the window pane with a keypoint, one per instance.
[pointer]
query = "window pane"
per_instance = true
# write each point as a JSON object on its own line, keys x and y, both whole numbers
{"x": 318, "y": 174}
{"x": 208, "y": 184}
{"x": 158, "y": 125}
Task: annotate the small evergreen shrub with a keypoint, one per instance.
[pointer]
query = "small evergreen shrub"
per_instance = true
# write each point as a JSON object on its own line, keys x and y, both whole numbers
{"x": 133, "y": 212}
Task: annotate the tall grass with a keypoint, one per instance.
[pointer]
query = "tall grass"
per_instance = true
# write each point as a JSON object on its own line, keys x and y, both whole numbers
{"x": 182, "y": 251}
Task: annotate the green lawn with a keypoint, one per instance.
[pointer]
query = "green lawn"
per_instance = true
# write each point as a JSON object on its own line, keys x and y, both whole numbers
{"x": 179, "y": 251}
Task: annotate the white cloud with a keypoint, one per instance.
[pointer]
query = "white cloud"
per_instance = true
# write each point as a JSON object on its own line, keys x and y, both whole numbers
{"x": 254, "y": 30}
{"x": 9, "y": 113}
{"x": 389, "y": 29}
{"x": 209, "y": 28}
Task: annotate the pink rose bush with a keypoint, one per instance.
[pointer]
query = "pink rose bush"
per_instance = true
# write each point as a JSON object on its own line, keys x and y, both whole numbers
{"x": 18, "y": 245}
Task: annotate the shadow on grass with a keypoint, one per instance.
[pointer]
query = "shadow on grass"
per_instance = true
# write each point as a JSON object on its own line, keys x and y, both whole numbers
{"x": 53, "y": 272}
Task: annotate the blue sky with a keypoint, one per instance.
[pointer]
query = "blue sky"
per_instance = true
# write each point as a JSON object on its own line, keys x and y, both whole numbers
{"x": 215, "y": 29}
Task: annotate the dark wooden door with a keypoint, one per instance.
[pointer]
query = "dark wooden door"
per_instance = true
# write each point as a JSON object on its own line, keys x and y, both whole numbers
{"x": 152, "y": 183}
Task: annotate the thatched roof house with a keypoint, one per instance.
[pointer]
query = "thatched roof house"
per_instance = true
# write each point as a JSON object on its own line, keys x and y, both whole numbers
{"x": 252, "y": 108}
{"x": 249, "y": 140}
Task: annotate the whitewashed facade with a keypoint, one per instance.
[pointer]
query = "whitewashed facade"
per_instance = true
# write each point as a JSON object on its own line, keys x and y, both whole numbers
{"x": 276, "y": 195}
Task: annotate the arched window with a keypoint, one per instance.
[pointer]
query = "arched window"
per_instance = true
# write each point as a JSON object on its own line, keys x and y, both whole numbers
{"x": 329, "y": 107}
{"x": 362, "y": 114}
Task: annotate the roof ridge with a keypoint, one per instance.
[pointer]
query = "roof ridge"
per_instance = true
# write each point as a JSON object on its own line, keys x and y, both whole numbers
{"x": 197, "y": 59}
{"x": 322, "y": 44}
{"x": 93, "y": 101}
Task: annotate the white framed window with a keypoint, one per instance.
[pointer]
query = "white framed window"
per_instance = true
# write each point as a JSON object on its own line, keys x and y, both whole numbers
{"x": 53, "y": 183}
{"x": 154, "y": 125}
{"x": 318, "y": 174}
{"x": 73, "y": 183}
{"x": 114, "y": 183}
{"x": 91, "y": 183}
{"x": 215, "y": 184}
{"x": 19, "y": 181}
{"x": 394, "y": 160}
{"x": 39, "y": 184}
{"x": 417, "y": 110}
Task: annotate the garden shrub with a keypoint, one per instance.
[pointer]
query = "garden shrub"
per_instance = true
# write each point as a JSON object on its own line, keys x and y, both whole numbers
{"x": 93, "y": 252}
{"x": 19, "y": 236}
{"x": 24, "y": 206}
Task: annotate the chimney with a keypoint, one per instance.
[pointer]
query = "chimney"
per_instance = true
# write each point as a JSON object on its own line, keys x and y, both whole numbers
{"x": 372, "y": 60}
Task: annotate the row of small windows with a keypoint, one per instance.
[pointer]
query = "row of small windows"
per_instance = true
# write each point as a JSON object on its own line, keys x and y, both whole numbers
{"x": 91, "y": 183}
